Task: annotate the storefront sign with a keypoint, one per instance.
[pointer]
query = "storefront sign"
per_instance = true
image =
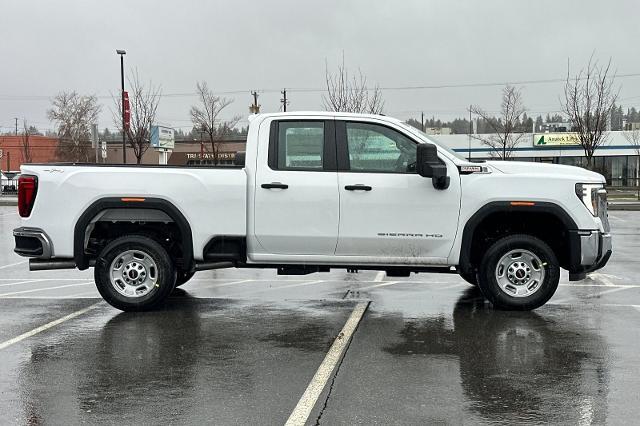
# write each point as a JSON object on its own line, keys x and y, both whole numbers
{"x": 162, "y": 137}
{"x": 211, "y": 156}
{"x": 555, "y": 139}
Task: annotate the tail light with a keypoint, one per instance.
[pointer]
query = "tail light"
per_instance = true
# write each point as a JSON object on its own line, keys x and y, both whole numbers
{"x": 27, "y": 189}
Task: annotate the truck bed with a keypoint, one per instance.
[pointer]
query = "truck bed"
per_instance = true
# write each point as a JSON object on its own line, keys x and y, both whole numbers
{"x": 212, "y": 199}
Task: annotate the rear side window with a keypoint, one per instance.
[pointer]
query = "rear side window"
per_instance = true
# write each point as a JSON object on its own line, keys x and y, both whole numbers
{"x": 300, "y": 145}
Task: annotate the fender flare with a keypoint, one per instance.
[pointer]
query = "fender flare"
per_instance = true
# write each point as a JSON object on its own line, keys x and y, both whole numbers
{"x": 81, "y": 259}
{"x": 506, "y": 207}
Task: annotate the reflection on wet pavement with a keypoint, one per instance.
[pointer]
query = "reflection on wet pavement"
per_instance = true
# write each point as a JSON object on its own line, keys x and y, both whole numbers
{"x": 478, "y": 365}
{"x": 192, "y": 361}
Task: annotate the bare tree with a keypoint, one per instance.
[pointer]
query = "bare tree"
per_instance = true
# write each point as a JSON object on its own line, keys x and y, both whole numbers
{"x": 588, "y": 99}
{"x": 507, "y": 129}
{"x": 143, "y": 103}
{"x": 74, "y": 114}
{"x": 205, "y": 117}
{"x": 349, "y": 93}
{"x": 633, "y": 137}
{"x": 26, "y": 143}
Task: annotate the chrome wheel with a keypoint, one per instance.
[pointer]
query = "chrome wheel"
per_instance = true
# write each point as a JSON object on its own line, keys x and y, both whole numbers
{"x": 520, "y": 273}
{"x": 133, "y": 273}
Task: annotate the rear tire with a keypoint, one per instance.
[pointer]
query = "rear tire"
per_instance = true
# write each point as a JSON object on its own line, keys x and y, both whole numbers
{"x": 519, "y": 272}
{"x": 134, "y": 273}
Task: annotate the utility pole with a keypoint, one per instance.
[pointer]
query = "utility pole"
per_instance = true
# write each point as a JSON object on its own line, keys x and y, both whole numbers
{"x": 422, "y": 121}
{"x": 254, "y": 108}
{"x": 470, "y": 131}
{"x": 16, "y": 125}
{"x": 124, "y": 126}
{"x": 284, "y": 100}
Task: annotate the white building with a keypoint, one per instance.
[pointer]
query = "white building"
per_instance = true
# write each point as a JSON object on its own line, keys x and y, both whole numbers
{"x": 617, "y": 159}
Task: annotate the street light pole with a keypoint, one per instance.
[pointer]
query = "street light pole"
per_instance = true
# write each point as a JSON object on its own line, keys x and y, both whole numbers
{"x": 124, "y": 142}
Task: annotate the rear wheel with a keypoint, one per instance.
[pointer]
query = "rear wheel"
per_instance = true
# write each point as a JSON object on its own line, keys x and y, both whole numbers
{"x": 519, "y": 272}
{"x": 134, "y": 273}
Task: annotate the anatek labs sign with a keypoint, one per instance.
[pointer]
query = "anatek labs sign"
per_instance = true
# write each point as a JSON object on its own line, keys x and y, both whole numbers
{"x": 556, "y": 139}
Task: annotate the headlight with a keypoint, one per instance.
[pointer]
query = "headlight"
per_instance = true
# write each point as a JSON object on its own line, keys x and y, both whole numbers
{"x": 588, "y": 193}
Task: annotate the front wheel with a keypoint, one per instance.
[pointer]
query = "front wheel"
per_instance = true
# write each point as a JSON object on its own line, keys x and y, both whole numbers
{"x": 519, "y": 272}
{"x": 134, "y": 273}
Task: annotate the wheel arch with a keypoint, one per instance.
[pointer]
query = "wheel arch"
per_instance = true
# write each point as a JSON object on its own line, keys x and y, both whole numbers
{"x": 117, "y": 203}
{"x": 476, "y": 221}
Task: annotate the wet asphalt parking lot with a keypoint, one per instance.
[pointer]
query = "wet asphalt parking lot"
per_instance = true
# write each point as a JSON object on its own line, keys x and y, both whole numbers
{"x": 250, "y": 347}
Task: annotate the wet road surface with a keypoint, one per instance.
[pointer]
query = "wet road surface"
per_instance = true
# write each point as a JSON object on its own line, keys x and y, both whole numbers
{"x": 241, "y": 347}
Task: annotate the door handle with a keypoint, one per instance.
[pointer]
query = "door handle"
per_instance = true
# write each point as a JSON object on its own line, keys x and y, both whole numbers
{"x": 274, "y": 185}
{"x": 358, "y": 187}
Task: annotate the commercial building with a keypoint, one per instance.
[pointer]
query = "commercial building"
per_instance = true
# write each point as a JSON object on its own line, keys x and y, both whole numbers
{"x": 186, "y": 152}
{"x": 15, "y": 150}
{"x": 617, "y": 158}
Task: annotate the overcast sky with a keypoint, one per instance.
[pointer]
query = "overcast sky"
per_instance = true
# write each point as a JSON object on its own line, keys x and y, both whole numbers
{"x": 51, "y": 46}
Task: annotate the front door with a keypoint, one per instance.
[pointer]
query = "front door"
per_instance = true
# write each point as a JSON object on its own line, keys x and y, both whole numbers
{"x": 388, "y": 212}
{"x": 296, "y": 196}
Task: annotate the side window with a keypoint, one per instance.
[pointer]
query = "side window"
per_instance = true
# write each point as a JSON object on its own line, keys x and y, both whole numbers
{"x": 300, "y": 145}
{"x": 379, "y": 149}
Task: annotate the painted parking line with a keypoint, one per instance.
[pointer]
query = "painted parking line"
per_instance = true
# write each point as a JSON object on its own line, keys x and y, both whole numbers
{"x": 46, "y": 326}
{"x": 44, "y": 289}
{"x": 214, "y": 285}
{"x": 20, "y": 282}
{"x": 251, "y": 292}
{"x": 379, "y": 276}
{"x": 382, "y": 284}
{"x": 13, "y": 264}
{"x": 301, "y": 412}
{"x": 44, "y": 279}
{"x": 594, "y": 295}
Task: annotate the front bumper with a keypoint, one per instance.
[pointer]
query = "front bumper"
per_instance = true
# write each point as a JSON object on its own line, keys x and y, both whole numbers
{"x": 590, "y": 251}
{"x": 32, "y": 242}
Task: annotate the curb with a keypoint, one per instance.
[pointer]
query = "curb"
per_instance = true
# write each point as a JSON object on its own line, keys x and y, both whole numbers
{"x": 625, "y": 206}
{"x": 8, "y": 201}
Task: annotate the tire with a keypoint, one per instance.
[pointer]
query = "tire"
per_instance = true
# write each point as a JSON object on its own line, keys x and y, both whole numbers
{"x": 182, "y": 277}
{"x": 519, "y": 272}
{"x": 471, "y": 278}
{"x": 134, "y": 273}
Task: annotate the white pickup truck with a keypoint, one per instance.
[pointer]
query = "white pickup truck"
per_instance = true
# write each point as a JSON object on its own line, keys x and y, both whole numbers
{"x": 316, "y": 191}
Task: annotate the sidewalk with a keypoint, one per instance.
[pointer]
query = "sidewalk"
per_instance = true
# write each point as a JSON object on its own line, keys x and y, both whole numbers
{"x": 8, "y": 201}
{"x": 624, "y": 205}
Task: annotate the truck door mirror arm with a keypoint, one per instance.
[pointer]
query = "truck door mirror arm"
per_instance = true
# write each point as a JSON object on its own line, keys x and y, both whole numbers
{"x": 429, "y": 165}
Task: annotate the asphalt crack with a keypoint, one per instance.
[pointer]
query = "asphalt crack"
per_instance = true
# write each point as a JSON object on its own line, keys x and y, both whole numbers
{"x": 338, "y": 367}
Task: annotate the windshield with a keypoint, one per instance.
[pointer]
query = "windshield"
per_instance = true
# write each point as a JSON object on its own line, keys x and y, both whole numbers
{"x": 427, "y": 138}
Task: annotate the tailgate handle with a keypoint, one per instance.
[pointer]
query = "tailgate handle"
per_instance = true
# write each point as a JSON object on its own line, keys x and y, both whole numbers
{"x": 275, "y": 185}
{"x": 358, "y": 187}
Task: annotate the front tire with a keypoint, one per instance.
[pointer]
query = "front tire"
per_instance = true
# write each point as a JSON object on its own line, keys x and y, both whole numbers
{"x": 134, "y": 273}
{"x": 519, "y": 272}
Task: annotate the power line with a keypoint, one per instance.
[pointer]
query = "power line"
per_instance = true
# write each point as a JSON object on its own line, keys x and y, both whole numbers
{"x": 320, "y": 90}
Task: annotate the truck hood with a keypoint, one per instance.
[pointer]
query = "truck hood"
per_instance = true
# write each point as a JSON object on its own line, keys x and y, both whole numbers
{"x": 526, "y": 167}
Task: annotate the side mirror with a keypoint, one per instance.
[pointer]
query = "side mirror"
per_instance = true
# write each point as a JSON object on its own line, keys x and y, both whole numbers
{"x": 429, "y": 165}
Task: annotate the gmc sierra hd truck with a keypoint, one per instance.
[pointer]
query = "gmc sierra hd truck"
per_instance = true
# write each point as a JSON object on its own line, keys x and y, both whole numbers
{"x": 315, "y": 191}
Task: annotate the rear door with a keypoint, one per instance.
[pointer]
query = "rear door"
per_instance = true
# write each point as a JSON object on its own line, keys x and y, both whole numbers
{"x": 388, "y": 212}
{"x": 296, "y": 195}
